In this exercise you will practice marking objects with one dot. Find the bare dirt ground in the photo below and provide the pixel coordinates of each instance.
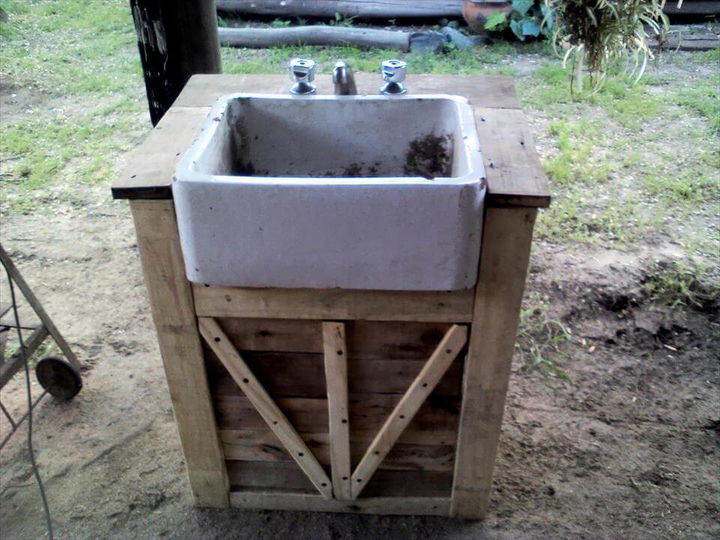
(630, 448)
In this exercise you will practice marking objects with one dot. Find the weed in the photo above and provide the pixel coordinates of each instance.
(539, 341)
(678, 283)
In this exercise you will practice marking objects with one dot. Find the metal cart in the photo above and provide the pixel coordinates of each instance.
(58, 376)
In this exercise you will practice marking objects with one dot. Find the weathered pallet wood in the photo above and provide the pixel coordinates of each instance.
(263, 445)
(265, 405)
(302, 375)
(334, 304)
(368, 412)
(365, 339)
(386, 483)
(336, 377)
(259, 500)
(403, 413)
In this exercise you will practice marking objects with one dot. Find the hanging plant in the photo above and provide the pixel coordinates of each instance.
(527, 19)
(597, 33)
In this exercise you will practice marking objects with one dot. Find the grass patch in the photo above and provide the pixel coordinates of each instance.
(540, 339)
(678, 283)
(453, 61)
(704, 99)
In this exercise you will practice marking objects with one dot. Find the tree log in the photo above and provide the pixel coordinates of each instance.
(367, 9)
(314, 35)
(176, 39)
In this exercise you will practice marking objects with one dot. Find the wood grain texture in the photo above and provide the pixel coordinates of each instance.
(513, 174)
(303, 375)
(368, 9)
(286, 477)
(408, 406)
(505, 254)
(365, 339)
(512, 166)
(368, 412)
(149, 169)
(265, 405)
(334, 304)
(263, 445)
(336, 375)
(174, 316)
(259, 500)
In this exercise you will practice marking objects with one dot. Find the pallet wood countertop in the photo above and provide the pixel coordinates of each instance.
(359, 401)
(513, 171)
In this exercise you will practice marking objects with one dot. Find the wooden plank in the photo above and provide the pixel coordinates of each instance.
(263, 445)
(359, 439)
(336, 375)
(303, 375)
(174, 316)
(334, 304)
(513, 171)
(286, 477)
(365, 339)
(489, 91)
(259, 500)
(264, 404)
(514, 174)
(400, 418)
(149, 169)
(367, 9)
(505, 254)
(367, 413)
(37, 307)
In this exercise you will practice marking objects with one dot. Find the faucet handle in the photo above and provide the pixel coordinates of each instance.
(393, 73)
(302, 73)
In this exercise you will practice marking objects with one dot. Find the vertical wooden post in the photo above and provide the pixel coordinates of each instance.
(503, 267)
(173, 312)
(176, 39)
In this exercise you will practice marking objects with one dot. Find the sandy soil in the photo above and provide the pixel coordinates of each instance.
(629, 449)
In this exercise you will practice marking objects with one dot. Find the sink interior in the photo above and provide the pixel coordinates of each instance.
(328, 136)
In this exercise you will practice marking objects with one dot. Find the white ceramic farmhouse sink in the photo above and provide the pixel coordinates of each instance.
(357, 192)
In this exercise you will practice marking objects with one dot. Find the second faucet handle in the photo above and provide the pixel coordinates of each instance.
(393, 73)
(302, 72)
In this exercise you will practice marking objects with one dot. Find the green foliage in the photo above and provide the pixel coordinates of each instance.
(280, 23)
(679, 283)
(341, 20)
(600, 32)
(540, 340)
(528, 19)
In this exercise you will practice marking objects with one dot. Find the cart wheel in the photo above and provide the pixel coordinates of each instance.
(59, 377)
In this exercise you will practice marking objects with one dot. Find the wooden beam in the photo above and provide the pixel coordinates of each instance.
(336, 376)
(419, 390)
(389, 506)
(328, 36)
(368, 9)
(264, 404)
(334, 304)
(503, 267)
(176, 39)
(173, 312)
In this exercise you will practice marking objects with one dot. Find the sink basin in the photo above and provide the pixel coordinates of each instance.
(357, 192)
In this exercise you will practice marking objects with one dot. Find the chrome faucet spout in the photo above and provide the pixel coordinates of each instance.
(344, 79)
